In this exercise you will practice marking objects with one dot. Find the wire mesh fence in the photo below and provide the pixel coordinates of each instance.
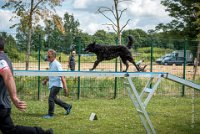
(175, 57)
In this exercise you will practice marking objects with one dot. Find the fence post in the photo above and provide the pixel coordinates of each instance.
(39, 48)
(79, 64)
(184, 66)
(115, 90)
(151, 66)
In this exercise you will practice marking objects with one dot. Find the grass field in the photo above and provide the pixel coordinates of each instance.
(115, 116)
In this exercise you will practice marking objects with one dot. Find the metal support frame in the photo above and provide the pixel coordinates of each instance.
(141, 100)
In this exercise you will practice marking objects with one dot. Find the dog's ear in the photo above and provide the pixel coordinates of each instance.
(94, 43)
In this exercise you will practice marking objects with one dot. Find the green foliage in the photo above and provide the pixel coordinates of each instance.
(157, 52)
(86, 39)
(184, 16)
(31, 12)
(103, 37)
(197, 22)
(10, 46)
(37, 34)
(140, 37)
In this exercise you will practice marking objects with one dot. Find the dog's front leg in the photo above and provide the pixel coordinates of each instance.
(95, 64)
(127, 66)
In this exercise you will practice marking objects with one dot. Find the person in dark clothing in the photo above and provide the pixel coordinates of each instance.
(8, 88)
(72, 61)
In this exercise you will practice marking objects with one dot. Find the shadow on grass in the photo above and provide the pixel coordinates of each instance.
(33, 114)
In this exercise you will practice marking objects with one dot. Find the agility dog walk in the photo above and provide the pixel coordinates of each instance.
(109, 52)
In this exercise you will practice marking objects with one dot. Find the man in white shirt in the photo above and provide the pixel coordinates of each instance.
(56, 83)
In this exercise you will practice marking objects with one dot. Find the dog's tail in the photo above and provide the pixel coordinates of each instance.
(130, 41)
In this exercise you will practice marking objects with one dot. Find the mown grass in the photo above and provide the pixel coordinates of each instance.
(115, 116)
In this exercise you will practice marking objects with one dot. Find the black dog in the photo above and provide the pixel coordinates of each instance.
(105, 52)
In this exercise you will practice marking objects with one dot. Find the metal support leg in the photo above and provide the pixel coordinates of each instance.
(152, 90)
(146, 87)
(141, 106)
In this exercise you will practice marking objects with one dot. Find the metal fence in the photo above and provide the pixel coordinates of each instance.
(112, 88)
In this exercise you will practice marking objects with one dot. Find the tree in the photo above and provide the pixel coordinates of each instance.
(61, 32)
(197, 22)
(184, 13)
(140, 37)
(54, 32)
(103, 37)
(10, 47)
(38, 30)
(22, 39)
(197, 5)
(185, 23)
(117, 14)
(86, 39)
(71, 29)
(30, 13)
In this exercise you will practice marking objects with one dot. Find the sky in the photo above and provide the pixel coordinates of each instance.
(144, 14)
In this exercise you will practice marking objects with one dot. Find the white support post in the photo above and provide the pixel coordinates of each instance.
(146, 87)
(137, 108)
(152, 91)
(140, 107)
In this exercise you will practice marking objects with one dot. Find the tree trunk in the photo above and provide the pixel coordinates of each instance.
(198, 59)
(28, 51)
(118, 28)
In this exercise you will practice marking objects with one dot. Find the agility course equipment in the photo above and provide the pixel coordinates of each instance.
(140, 101)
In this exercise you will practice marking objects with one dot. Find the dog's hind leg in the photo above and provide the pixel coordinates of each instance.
(130, 59)
(143, 69)
(126, 63)
(95, 64)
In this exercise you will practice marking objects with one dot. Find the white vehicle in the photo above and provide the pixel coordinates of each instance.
(177, 58)
(180, 53)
